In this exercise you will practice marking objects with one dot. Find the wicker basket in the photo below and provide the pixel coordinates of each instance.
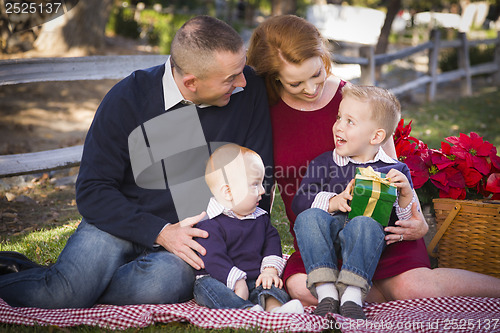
(468, 235)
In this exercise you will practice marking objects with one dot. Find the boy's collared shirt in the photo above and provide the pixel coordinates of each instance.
(380, 156)
(322, 199)
(215, 209)
(171, 93)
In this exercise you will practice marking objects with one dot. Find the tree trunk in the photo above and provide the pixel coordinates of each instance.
(282, 7)
(393, 8)
(78, 32)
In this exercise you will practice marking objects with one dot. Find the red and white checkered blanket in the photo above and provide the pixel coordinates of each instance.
(445, 314)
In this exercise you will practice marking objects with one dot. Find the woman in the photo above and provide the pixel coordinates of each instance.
(292, 57)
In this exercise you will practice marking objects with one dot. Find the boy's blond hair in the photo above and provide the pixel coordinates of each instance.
(385, 107)
(220, 158)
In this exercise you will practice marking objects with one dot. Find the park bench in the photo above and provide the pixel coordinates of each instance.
(18, 71)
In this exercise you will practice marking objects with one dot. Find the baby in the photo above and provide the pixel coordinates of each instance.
(243, 262)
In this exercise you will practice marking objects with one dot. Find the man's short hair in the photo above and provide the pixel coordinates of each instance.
(385, 107)
(196, 42)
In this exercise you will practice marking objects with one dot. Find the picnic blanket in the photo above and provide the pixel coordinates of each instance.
(444, 314)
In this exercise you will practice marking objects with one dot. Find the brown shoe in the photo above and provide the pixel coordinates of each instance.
(352, 310)
(327, 305)
(13, 262)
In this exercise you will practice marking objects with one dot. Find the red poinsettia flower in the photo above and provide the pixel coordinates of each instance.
(402, 132)
(462, 163)
(493, 185)
(447, 178)
(473, 149)
(454, 193)
(472, 177)
(419, 170)
(471, 143)
(405, 148)
(405, 144)
(495, 161)
(443, 159)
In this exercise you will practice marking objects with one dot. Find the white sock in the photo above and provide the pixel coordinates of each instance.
(353, 294)
(327, 290)
(293, 306)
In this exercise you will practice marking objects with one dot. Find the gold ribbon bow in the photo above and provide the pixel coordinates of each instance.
(369, 174)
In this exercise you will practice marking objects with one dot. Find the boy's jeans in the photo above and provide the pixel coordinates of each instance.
(214, 294)
(96, 267)
(323, 239)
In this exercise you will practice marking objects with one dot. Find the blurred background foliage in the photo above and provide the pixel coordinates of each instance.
(156, 27)
(155, 21)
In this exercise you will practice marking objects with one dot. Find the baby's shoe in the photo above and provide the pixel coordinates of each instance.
(293, 306)
(256, 307)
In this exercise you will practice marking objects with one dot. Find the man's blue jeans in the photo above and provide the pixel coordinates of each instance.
(96, 267)
(214, 294)
(323, 239)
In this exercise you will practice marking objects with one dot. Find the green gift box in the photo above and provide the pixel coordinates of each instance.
(372, 195)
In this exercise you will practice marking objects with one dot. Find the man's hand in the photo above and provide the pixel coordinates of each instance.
(414, 228)
(269, 276)
(241, 288)
(178, 239)
(340, 202)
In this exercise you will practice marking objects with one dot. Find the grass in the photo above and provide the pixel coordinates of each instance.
(280, 222)
(432, 123)
(42, 246)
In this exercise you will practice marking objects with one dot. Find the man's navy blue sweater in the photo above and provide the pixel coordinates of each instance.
(106, 192)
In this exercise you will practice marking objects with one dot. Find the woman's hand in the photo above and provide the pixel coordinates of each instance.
(412, 229)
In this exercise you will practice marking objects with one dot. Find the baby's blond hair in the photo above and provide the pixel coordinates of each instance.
(220, 158)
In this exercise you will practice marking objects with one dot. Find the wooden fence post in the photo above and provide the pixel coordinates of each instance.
(464, 63)
(496, 59)
(435, 37)
(367, 71)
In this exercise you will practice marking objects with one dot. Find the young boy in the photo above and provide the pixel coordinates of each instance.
(367, 118)
(243, 262)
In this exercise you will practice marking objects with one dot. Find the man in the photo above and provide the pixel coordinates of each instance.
(141, 157)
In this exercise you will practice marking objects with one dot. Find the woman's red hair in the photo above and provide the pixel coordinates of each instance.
(284, 38)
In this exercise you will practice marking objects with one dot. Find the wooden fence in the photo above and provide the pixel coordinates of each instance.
(62, 69)
(116, 67)
(368, 62)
